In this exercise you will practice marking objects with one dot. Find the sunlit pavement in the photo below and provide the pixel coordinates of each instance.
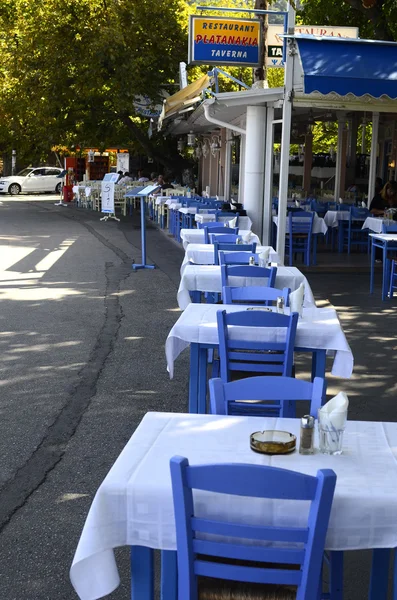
(82, 360)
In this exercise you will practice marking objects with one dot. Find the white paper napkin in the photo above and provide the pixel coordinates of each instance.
(340, 201)
(264, 257)
(296, 299)
(363, 204)
(297, 203)
(232, 223)
(333, 413)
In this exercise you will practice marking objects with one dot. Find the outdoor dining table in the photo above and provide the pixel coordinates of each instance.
(319, 225)
(203, 217)
(196, 279)
(196, 236)
(387, 242)
(203, 254)
(319, 332)
(375, 224)
(339, 219)
(134, 507)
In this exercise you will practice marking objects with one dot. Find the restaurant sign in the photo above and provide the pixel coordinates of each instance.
(274, 43)
(219, 41)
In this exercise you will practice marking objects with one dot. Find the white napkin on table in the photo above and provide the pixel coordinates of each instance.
(297, 203)
(363, 204)
(232, 223)
(333, 413)
(340, 201)
(264, 257)
(296, 299)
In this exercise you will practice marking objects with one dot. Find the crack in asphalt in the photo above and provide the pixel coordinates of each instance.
(29, 477)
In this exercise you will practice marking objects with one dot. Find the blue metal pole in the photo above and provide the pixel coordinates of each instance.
(143, 265)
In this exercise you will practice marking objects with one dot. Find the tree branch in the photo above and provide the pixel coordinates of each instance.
(378, 19)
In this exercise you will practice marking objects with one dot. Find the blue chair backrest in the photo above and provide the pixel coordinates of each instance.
(319, 207)
(343, 206)
(211, 225)
(248, 271)
(302, 223)
(224, 238)
(359, 213)
(222, 247)
(220, 229)
(254, 294)
(254, 356)
(230, 398)
(237, 258)
(194, 554)
(389, 228)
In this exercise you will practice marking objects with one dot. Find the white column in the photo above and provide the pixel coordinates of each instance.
(254, 165)
(339, 153)
(241, 176)
(228, 165)
(268, 192)
(372, 164)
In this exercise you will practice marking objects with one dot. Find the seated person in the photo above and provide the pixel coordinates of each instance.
(142, 177)
(387, 198)
(163, 183)
(125, 180)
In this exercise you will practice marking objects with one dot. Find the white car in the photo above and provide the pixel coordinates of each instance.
(31, 181)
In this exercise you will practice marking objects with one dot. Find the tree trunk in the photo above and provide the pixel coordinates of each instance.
(260, 73)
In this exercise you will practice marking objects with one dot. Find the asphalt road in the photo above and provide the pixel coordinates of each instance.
(82, 360)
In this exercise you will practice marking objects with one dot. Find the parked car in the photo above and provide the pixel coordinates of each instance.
(31, 181)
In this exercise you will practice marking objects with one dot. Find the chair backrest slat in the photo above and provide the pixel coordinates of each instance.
(228, 398)
(249, 480)
(251, 271)
(218, 246)
(224, 238)
(389, 228)
(237, 258)
(252, 294)
(220, 229)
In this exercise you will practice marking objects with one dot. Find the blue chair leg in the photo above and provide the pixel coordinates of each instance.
(142, 580)
(392, 276)
(379, 583)
(315, 249)
(169, 575)
(336, 575)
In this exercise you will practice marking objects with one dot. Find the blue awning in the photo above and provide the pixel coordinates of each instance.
(348, 66)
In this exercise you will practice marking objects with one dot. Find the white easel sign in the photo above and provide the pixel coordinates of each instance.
(107, 189)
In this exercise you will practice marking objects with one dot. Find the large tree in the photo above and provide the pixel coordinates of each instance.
(69, 71)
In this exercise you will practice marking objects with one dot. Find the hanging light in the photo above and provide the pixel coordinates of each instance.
(215, 145)
(205, 148)
(191, 139)
(180, 145)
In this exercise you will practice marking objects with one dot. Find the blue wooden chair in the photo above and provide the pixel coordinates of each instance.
(264, 396)
(219, 230)
(252, 294)
(355, 235)
(319, 207)
(237, 258)
(343, 206)
(248, 271)
(224, 238)
(299, 237)
(393, 278)
(222, 247)
(389, 228)
(292, 556)
(211, 225)
(238, 354)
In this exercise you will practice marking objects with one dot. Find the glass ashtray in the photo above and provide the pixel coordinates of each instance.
(273, 442)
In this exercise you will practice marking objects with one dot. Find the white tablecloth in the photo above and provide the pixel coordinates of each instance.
(319, 329)
(133, 505)
(196, 236)
(375, 223)
(332, 217)
(244, 222)
(319, 225)
(203, 254)
(207, 278)
(161, 200)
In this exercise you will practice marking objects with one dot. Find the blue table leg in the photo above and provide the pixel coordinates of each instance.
(169, 575)
(202, 383)
(341, 233)
(385, 278)
(336, 575)
(371, 279)
(193, 382)
(379, 574)
(142, 580)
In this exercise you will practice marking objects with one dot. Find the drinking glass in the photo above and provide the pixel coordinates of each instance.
(330, 431)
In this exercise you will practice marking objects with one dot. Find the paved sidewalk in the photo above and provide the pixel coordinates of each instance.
(82, 339)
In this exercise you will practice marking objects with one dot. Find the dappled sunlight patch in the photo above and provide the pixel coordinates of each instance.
(173, 310)
(68, 497)
(38, 293)
(133, 338)
(42, 347)
(123, 293)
